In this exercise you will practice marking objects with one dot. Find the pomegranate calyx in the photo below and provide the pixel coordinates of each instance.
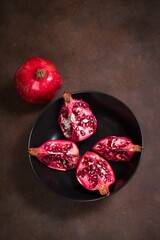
(40, 73)
(67, 97)
(33, 151)
(136, 148)
(103, 190)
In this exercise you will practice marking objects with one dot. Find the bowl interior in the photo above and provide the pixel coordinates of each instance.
(114, 118)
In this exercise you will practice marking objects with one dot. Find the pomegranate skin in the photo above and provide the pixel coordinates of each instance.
(37, 80)
(116, 148)
(76, 119)
(95, 173)
(61, 155)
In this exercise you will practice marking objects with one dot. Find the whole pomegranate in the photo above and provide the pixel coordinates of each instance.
(95, 173)
(57, 154)
(116, 148)
(76, 120)
(37, 80)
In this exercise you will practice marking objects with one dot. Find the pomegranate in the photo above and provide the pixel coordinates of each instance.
(76, 120)
(116, 148)
(95, 173)
(57, 154)
(37, 80)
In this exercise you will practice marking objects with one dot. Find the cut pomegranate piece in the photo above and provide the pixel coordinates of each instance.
(57, 154)
(95, 173)
(116, 148)
(76, 120)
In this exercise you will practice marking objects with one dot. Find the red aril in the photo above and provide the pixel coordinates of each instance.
(37, 80)
(57, 154)
(116, 148)
(76, 120)
(95, 173)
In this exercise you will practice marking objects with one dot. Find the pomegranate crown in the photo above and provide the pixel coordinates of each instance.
(67, 96)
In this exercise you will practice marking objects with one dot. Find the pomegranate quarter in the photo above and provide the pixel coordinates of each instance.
(95, 173)
(116, 148)
(76, 120)
(57, 154)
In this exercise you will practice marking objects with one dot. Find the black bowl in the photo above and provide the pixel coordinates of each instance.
(114, 118)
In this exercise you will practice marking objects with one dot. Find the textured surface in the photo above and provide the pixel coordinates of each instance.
(108, 46)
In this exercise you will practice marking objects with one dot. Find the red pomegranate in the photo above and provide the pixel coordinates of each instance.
(76, 120)
(37, 80)
(95, 173)
(57, 154)
(116, 148)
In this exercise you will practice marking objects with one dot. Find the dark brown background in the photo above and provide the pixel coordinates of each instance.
(108, 46)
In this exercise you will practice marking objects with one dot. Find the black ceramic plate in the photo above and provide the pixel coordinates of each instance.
(114, 118)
